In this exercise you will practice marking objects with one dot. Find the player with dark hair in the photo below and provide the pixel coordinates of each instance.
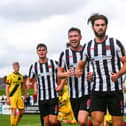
(106, 55)
(79, 88)
(45, 72)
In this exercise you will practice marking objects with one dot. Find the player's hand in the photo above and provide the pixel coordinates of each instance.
(114, 77)
(90, 76)
(8, 101)
(59, 88)
(70, 72)
(78, 72)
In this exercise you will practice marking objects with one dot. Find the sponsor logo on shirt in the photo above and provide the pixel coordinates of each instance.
(45, 74)
(101, 57)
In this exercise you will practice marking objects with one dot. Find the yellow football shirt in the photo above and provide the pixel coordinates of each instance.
(65, 110)
(15, 81)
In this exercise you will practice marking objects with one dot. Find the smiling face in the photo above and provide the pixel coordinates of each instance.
(42, 52)
(74, 39)
(99, 28)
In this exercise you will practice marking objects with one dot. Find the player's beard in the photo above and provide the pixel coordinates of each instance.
(42, 58)
(100, 35)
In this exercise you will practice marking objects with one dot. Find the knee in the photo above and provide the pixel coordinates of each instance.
(53, 121)
(13, 112)
(22, 113)
(82, 122)
(46, 122)
(98, 122)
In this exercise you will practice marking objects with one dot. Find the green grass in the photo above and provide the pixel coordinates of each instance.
(30, 91)
(2, 91)
(27, 120)
(124, 118)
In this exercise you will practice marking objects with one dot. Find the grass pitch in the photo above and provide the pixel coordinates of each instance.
(27, 120)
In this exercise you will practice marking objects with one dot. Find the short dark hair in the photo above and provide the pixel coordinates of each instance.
(41, 45)
(74, 29)
(97, 16)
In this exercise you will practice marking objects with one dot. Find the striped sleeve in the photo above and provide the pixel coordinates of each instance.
(84, 56)
(120, 49)
(82, 51)
(31, 72)
(56, 64)
(62, 60)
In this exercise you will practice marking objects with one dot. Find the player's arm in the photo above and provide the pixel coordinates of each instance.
(29, 82)
(90, 76)
(23, 90)
(61, 83)
(7, 93)
(90, 72)
(122, 54)
(61, 69)
(81, 64)
(115, 76)
(79, 68)
(31, 75)
(123, 69)
(35, 86)
(8, 83)
(64, 74)
(60, 80)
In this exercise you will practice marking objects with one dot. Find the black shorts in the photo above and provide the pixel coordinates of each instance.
(78, 104)
(113, 101)
(48, 107)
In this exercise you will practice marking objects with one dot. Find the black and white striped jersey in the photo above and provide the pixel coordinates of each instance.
(46, 76)
(78, 87)
(105, 58)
